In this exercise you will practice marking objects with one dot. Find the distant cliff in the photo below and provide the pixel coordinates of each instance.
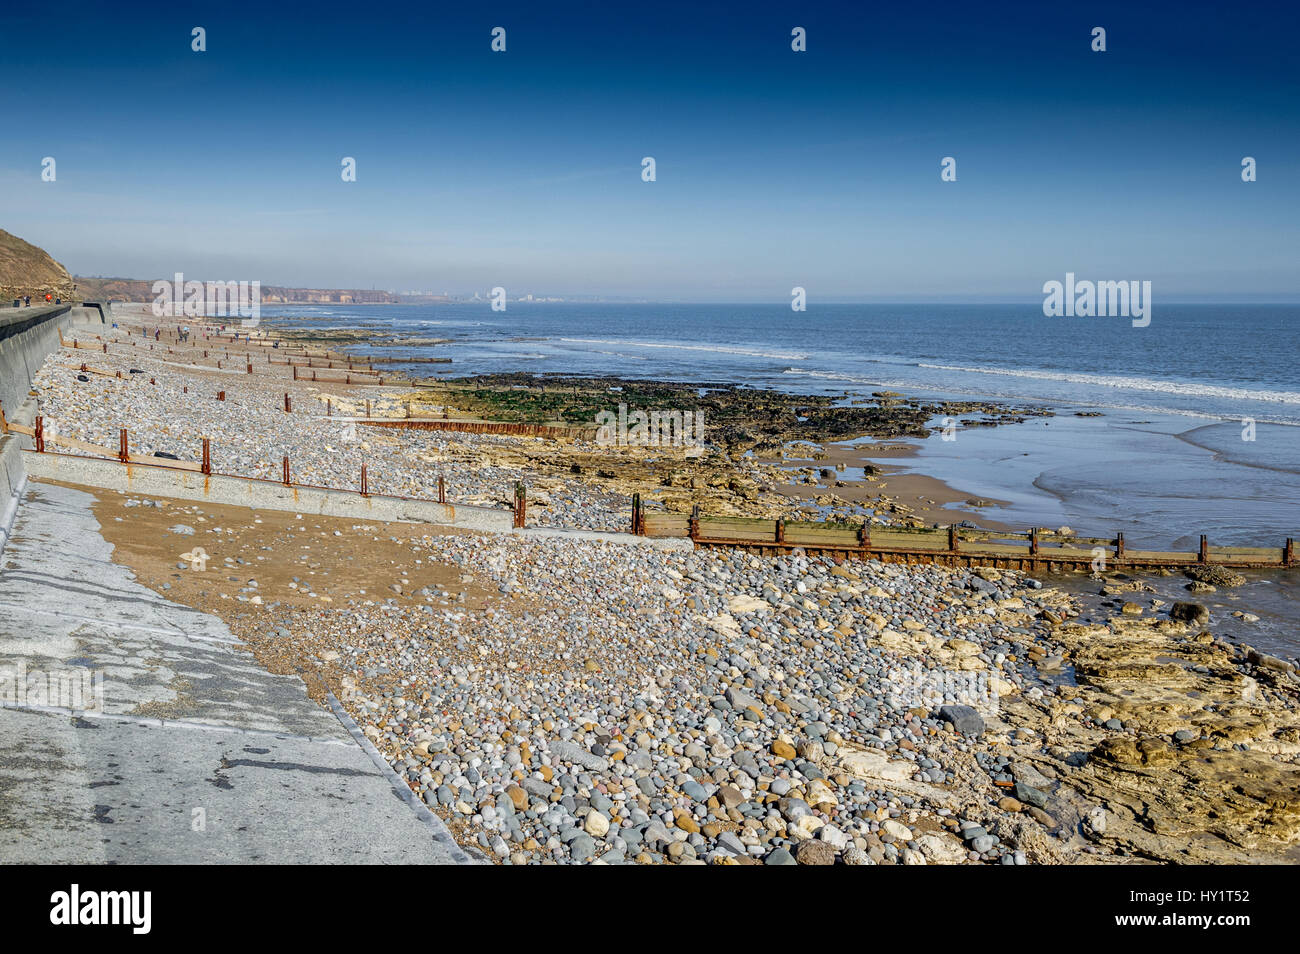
(28, 270)
(134, 289)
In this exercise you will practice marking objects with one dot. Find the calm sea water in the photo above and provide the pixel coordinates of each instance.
(1225, 361)
(1165, 461)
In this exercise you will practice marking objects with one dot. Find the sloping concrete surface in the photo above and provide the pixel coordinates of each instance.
(198, 755)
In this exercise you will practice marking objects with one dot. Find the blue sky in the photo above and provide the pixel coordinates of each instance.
(775, 168)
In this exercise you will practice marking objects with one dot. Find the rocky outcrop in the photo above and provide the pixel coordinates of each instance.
(1188, 747)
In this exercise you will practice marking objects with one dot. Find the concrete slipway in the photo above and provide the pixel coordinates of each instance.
(199, 755)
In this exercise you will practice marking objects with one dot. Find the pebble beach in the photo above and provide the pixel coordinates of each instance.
(562, 699)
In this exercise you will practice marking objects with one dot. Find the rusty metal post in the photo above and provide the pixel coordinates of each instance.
(288, 406)
(1288, 552)
(286, 470)
(694, 531)
(206, 467)
(521, 504)
(780, 530)
(367, 407)
(250, 367)
(313, 375)
(1119, 546)
(105, 347)
(1033, 541)
(221, 395)
(365, 486)
(4, 424)
(123, 451)
(442, 490)
(40, 434)
(347, 379)
(864, 538)
(636, 506)
(295, 371)
(952, 539)
(329, 408)
(1204, 555)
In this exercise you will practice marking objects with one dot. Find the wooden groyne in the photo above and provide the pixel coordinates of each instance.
(43, 444)
(365, 373)
(1033, 550)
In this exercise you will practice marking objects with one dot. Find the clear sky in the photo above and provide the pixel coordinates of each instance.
(774, 168)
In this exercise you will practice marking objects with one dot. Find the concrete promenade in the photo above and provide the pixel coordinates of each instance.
(198, 755)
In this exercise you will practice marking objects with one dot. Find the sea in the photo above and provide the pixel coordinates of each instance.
(1189, 425)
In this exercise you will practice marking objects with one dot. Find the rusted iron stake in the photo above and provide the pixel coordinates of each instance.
(952, 539)
(1204, 555)
(1288, 553)
(288, 406)
(40, 434)
(780, 530)
(365, 487)
(521, 504)
(1033, 541)
(1119, 546)
(206, 468)
(442, 490)
(286, 470)
(695, 521)
(123, 451)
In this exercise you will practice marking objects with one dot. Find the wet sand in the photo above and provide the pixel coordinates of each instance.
(860, 477)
